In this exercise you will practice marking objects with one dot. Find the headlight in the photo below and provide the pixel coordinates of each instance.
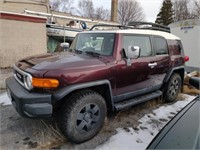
(28, 82)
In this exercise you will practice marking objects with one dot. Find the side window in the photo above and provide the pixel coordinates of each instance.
(161, 46)
(142, 41)
(175, 47)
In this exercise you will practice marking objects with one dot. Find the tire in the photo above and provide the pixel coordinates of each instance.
(83, 116)
(173, 88)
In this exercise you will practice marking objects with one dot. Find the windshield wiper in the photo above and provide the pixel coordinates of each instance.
(76, 51)
(92, 53)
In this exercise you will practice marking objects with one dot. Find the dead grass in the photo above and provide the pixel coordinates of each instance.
(187, 89)
(55, 138)
(190, 90)
(181, 97)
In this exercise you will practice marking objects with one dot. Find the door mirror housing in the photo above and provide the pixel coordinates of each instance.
(133, 52)
(65, 46)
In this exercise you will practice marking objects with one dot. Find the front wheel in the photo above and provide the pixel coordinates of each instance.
(83, 116)
(172, 88)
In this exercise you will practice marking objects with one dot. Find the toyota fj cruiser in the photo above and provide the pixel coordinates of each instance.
(103, 70)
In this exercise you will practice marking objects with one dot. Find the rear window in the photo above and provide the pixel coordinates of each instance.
(175, 47)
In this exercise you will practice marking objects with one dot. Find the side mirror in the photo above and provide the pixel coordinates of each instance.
(133, 52)
(65, 46)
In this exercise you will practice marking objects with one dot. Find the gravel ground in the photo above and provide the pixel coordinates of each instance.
(22, 133)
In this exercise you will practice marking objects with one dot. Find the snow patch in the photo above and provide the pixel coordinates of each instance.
(4, 100)
(151, 124)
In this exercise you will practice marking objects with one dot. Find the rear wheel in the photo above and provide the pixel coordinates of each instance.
(172, 88)
(83, 116)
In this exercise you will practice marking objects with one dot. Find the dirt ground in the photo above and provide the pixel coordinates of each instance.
(21, 133)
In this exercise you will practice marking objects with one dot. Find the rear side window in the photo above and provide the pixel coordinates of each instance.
(142, 41)
(161, 46)
(175, 47)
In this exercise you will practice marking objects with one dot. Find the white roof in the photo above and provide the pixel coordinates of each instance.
(138, 31)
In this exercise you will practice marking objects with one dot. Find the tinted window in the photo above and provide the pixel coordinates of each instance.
(142, 41)
(161, 46)
(175, 47)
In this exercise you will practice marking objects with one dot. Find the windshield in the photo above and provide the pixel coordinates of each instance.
(100, 43)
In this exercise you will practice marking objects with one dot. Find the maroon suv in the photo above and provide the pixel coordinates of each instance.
(102, 71)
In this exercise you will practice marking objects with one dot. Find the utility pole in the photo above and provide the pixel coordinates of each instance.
(114, 8)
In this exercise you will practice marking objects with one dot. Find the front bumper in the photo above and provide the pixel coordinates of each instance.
(29, 104)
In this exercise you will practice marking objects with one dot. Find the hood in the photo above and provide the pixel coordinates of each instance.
(61, 61)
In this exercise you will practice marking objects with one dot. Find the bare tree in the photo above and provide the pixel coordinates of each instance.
(197, 8)
(86, 8)
(186, 9)
(129, 10)
(181, 11)
(101, 13)
(62, 5)
(54, 4)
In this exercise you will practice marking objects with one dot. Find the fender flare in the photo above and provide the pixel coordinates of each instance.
(168, 75)
(60, 94)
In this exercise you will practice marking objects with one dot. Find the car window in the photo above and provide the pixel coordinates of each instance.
(161, 46)
(101, 43)
(175, 47)
(142, 41)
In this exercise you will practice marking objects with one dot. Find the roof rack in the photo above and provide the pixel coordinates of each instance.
(153, 26)
(109, 25)
(136, 25)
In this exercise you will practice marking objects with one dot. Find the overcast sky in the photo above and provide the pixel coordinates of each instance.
(150, 7)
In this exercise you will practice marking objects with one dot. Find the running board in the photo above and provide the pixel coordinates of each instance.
(137, 100)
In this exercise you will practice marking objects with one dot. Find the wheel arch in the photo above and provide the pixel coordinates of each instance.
(102, 87)
(179, 70)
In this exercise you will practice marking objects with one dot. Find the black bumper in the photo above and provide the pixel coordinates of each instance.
(29, 104)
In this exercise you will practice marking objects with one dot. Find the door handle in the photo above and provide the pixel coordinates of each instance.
(152, 65)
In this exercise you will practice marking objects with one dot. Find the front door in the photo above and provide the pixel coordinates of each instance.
(139, 77)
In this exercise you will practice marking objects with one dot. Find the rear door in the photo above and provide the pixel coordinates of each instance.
(162, 59)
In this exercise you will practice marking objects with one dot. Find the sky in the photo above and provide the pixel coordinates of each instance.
(151, 7)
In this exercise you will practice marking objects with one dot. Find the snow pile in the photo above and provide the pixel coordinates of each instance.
(4, 100)
(149, 125)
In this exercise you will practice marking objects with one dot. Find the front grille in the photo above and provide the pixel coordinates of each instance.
(20, 76)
